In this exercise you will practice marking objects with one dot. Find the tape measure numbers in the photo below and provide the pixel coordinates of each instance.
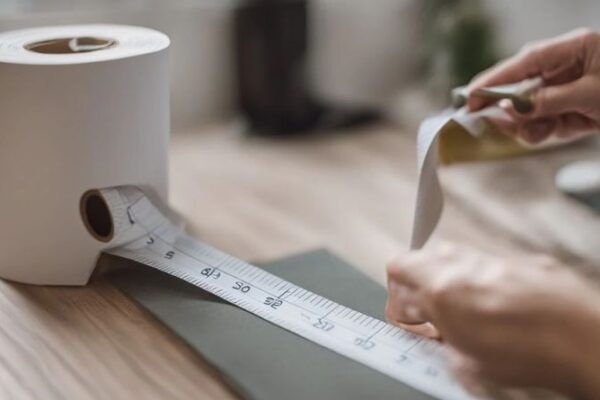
(135, 229)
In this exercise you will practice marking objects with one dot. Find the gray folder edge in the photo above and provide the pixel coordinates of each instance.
(257, 359)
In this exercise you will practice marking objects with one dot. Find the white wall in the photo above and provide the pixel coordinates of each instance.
(362, 51)
(520, 21)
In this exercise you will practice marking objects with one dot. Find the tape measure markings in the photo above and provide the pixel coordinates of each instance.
(151, 239)
(353, 316)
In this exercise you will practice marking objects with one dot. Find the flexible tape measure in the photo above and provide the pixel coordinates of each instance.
(134, 228)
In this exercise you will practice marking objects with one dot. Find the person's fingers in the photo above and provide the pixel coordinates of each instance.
(569, 125)
(405, 271)
(511, 70)
(486, 377)
(427, 329)
(550, 59)
(408, 277)
(537, 130)
(504, 125)
(554, 113)
(573, 125)
(467, 371)
(417, 269)
(403, 305)
(577, 96)
(403, 310)
(546, 58)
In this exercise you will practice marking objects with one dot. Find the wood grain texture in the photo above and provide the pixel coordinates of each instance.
(260, 199)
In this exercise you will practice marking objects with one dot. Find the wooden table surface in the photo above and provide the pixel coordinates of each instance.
(259, 199)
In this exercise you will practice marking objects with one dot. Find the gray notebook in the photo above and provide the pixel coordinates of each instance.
(260, 360)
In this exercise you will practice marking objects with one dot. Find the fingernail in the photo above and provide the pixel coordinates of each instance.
(430, 331)
(505, 104)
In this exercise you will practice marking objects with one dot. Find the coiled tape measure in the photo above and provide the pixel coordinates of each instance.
(135, 229)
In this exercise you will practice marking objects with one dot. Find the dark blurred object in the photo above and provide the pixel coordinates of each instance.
(271, 54)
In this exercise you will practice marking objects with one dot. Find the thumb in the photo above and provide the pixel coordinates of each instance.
(581, 95)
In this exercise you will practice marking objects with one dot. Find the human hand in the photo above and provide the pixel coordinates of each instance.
(568, 105)
(516, 322)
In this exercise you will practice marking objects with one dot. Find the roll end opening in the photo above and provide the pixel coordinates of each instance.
(70, 45)
(96, 216)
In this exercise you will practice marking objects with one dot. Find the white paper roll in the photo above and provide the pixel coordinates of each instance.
(80, 107)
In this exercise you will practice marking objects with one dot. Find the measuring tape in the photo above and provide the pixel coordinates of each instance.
(135, 229)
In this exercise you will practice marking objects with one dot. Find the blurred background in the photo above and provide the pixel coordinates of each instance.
(295, 66)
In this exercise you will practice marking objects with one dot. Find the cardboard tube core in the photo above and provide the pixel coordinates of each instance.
(70, 45)
(96, 216)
